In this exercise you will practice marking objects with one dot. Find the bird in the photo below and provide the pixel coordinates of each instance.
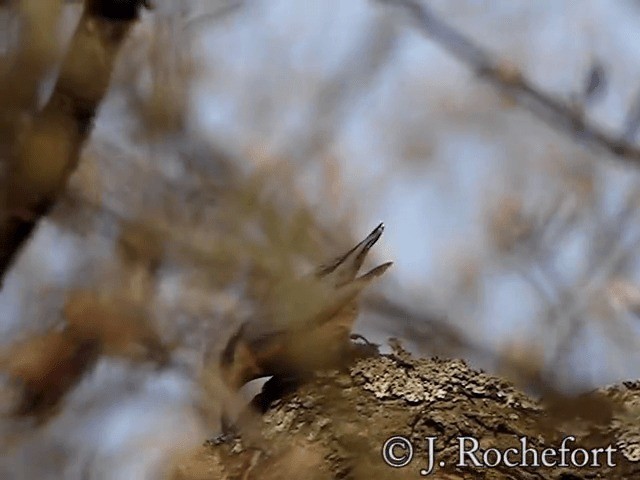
(306, 325)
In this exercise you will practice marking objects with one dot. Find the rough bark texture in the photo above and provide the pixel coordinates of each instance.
(335, 425)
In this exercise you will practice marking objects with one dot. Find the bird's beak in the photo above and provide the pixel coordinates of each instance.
(345, 268)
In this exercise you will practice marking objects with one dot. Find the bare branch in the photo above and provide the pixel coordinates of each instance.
(443, 338)
(549, 108)
(632, 123)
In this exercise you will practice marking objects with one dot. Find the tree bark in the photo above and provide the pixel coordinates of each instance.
(335, 426)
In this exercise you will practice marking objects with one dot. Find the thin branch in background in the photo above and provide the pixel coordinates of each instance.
(572, 316)
(49, 150)
(632, 122)
(549, 108)
(558, 113)
(222, 12)
(443, 336)
(361, 69)
(595, 82)
(440, 336)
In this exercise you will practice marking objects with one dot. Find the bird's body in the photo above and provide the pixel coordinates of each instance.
(304, 328)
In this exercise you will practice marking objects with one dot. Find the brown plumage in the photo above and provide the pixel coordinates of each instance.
(306, 324)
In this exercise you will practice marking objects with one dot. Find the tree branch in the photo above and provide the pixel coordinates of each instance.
(45, 155)
(336, 425)
(555, 111)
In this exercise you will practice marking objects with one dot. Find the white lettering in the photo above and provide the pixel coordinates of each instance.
(462, 452)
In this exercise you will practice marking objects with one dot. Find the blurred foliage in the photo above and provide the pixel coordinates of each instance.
(176, 231)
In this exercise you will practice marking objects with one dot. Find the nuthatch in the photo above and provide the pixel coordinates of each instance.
(306, 324)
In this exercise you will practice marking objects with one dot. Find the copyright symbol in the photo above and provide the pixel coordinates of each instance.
(397, 452)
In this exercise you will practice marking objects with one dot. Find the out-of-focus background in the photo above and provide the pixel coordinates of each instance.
(242, 141)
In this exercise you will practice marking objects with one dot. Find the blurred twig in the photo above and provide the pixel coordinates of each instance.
(338, 93)
(632, 123)
(442, 336)
(435, 332)
(47, 153)
(509, 79)
(217, 14)
(572, 317)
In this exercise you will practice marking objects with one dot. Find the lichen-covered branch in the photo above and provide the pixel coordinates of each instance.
(336, 425)
(46, 151)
